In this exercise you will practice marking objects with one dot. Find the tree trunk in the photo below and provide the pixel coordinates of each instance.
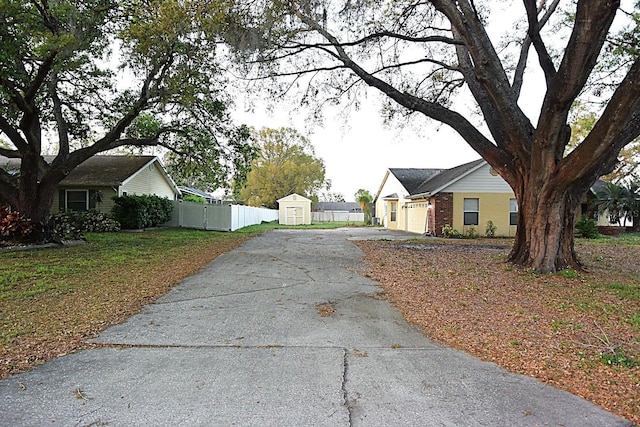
(35, 197)
(545, 235)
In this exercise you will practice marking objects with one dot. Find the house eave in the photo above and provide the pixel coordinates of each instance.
(419, 196)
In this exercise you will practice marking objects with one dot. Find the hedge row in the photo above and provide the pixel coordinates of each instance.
(136, 212)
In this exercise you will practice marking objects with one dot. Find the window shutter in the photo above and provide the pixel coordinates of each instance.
(92, 199)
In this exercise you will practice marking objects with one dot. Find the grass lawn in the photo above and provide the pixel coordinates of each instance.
(52, 300)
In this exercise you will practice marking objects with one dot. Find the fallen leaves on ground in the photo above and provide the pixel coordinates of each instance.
(60, 320)
(559, 328)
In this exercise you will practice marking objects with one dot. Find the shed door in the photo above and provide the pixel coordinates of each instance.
(293, 215)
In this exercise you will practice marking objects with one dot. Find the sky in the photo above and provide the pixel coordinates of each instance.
(356, 156)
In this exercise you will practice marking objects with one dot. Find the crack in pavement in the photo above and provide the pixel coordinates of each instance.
(264, 346)
(348, 403)
(252, 291)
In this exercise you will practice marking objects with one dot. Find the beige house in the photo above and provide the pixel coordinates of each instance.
(466, 198)
(94, 183)
(294, 209)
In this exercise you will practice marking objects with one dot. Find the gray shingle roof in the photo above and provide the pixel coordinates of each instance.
(338, 206)
(412, 178)
(96, 171)
(106, 170)
(434, 182)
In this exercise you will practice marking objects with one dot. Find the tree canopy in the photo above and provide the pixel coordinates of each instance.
(286, 164)
(446, 60)
(78, 78)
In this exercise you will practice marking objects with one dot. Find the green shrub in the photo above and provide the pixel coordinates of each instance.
(450, 233)
(14, 226)
(72, 224)
(490, 230)
(587, 228)
(136, 212)
(472, 233)
(160, 210)
(193, 198)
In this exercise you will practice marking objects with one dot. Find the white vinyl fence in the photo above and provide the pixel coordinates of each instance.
(337, 216)
(224, 217)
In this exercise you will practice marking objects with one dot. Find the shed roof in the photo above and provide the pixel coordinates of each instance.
(295, 197)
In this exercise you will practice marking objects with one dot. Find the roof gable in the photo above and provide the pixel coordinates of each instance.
(446, 177)
(106, 170)
(412, 178)
(101, 170)
(295, 197)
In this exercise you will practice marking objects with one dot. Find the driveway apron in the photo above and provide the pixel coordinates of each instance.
(282, 331)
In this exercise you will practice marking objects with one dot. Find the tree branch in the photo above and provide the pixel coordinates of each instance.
(518, 76)
(63, 127)
(593, 20)
(459, 123)
(592, 23)
(12, 154)
(13, 134)
(546, 62)
(619, 124)
(390, 34)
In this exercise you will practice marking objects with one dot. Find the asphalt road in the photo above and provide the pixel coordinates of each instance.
(282, 332)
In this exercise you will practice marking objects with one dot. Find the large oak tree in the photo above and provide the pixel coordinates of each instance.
(438, 58)
(78, 78)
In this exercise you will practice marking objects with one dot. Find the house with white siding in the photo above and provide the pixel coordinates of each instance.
(94, 183)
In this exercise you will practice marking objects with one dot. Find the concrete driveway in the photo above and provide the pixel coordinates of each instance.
(252, 340)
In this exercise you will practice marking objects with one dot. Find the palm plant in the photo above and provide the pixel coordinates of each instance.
(621, 202)
(363, 197)
(611, 199)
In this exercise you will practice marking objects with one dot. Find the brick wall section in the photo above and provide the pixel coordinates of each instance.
(443, 209)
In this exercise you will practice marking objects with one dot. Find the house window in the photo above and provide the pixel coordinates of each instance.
(471, 209)
(77, 200)
(394, 211)
(513, 212)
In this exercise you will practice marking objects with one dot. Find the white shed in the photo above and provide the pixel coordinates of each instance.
(294, 210)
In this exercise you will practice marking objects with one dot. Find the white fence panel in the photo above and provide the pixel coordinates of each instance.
(243, 216)
(206, 216)
(337, 217)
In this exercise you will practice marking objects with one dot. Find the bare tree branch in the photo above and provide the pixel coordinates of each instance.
(546, 62)
(526, 44)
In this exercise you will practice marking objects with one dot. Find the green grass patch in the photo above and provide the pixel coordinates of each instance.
(52, 295)
(631, 239)
(619, 358)
(627, 291)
